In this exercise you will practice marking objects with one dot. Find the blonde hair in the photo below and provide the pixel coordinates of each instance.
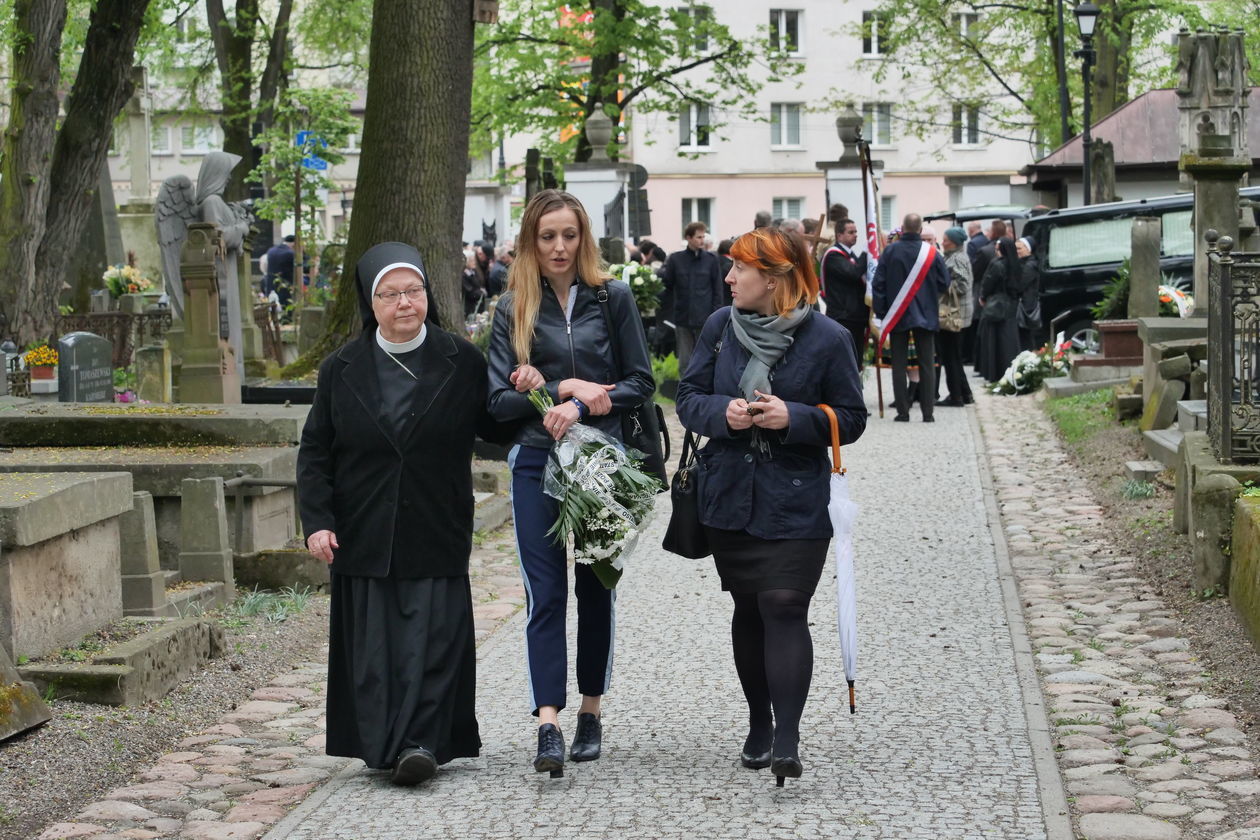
(785, 257)
(524, 274)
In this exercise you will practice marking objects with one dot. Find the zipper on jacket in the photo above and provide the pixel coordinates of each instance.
(568, 327)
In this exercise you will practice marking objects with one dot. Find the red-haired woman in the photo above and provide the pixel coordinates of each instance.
(550, 329)
(752, 388)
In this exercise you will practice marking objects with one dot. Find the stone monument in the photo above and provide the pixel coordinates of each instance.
(844, 176)
(1144, 273)
(85, 368)
(1212, 90)
(208, 373)
(1102, 168)
(598, 182)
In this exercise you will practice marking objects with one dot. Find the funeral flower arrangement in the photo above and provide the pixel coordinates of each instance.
(1029, 369)
(39, 356)
(605, 496)
(1175, 303)
(643, 281)
(125, 280)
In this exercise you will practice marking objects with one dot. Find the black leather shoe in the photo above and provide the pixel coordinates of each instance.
(969, 400)
(950, 403)
(929, 419)
(586, 740)
(756, 752)
(550, 757)
(786, 767)
(902, 418)
(414, 765)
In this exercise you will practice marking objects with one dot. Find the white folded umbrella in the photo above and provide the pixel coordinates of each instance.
(843, 511)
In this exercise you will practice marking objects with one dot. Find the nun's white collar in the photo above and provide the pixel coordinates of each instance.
(403, 347)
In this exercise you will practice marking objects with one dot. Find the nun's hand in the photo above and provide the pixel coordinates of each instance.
(526, 378)
(559, 418)
(321, 545)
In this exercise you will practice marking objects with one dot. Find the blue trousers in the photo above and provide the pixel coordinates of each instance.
(544, 568)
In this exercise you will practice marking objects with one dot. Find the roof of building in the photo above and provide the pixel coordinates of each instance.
(1143, 132)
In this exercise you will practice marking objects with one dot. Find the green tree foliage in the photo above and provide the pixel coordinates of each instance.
(548, 64)
(1001, 58)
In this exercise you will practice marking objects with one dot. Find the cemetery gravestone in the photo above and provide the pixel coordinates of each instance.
(85, 368)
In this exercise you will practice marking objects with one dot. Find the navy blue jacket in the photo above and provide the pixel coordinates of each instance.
(893, 270)
(693, 280)
(781, 492)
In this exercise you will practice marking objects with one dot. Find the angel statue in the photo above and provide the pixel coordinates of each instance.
(179, 205)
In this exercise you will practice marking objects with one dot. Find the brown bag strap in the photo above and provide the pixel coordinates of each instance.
(835, 438)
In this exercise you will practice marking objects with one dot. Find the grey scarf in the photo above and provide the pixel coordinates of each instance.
(766, 338)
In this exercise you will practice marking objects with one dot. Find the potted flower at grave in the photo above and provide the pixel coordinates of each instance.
(41, 360)
(125, 280)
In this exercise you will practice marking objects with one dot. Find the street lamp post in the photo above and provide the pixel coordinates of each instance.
(1086, 18)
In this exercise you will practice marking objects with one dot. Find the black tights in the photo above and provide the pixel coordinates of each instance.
(774, 656)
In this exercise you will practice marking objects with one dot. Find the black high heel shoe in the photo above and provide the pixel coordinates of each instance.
(586, 741)
(550, 757)
(786, 767)
(756, 752)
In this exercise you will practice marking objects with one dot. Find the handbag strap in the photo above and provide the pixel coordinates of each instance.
(601, 294)
(835, 438)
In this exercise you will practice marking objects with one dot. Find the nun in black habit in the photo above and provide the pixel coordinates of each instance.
(997, 337)
(385, 483)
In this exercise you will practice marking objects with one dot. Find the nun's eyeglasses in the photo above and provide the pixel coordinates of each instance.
(390, 298)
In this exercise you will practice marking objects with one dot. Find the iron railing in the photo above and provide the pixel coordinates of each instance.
(1233, 351)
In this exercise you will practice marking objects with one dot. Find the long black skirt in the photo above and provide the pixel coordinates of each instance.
(748, 564)
(997, 343)
(402, 669)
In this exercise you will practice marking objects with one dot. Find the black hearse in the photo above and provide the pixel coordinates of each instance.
(1079, 249)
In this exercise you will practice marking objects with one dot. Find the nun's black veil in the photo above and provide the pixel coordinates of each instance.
(371, 263)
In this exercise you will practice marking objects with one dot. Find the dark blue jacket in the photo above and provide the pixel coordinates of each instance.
(893, 270)
(781, 492)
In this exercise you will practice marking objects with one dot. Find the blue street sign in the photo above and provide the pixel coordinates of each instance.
(307, 139)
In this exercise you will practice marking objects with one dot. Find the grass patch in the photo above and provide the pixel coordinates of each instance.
(1134, 489)
(1081, 416)
(272, 606)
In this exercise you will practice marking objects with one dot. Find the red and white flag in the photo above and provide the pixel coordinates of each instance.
(872, 240)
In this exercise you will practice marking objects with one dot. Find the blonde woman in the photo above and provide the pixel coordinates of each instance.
(550, 330)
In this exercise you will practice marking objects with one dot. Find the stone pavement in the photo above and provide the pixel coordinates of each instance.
(941, 746)
(1146, 751)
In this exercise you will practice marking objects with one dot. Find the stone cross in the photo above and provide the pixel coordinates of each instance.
(139, 131)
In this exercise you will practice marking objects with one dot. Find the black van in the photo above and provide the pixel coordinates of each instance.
(1079, 250)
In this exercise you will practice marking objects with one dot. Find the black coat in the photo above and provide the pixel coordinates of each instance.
(694, 281)
(406, 500)
(844, 285)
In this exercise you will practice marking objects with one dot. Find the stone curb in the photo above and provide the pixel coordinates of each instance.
(1145, 754)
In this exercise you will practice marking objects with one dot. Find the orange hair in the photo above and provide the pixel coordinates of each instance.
(784, 257)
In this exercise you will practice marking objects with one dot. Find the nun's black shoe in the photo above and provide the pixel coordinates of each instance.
(550, 758)
(969, 400)
(414, 765)
(902, 418)
(786, 767)
(586, 740)
(755, 761)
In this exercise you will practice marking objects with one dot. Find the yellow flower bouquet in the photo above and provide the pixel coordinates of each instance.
(40, 356)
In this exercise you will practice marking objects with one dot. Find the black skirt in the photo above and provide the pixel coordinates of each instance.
(997, 343)
(748, 564)
(402, 669)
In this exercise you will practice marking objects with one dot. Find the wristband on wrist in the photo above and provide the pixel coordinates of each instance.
(583, 411)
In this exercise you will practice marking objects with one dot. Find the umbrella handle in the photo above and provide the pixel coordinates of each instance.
(835, 438)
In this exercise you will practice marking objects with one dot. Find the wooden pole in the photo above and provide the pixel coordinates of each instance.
(296, 297)
(868, 203)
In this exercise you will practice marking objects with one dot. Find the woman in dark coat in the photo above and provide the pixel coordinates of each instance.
(997, 338)
(386, 495)
(752, 388)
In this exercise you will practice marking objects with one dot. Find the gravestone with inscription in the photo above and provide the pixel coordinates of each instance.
(85, 368)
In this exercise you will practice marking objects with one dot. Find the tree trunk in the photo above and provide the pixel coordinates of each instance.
(233, 49)
(101, 89)
(28, 143)
(1114, 40)
(415, 153)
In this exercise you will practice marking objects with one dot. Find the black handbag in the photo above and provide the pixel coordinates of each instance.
(685, 535)
(642, 427)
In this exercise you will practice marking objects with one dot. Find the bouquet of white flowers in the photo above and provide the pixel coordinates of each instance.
(643, 281)
(1029, 369)
(605, 496)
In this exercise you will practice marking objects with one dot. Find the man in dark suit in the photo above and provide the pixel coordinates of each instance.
(844, 285)
(693, 282)
(919, 312)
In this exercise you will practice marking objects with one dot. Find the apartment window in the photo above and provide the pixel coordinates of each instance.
(874, 32)
(785, 124)
(352, 143)
(965, 23)
(197, 139)
(160, 139)
(693, 126)
(698, 210)
(887, 212)
(785, 30)
(788, 208)
(966, 125)
(877, 123)
(701, 16)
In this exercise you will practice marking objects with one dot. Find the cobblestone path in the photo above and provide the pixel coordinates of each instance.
(944, 744)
